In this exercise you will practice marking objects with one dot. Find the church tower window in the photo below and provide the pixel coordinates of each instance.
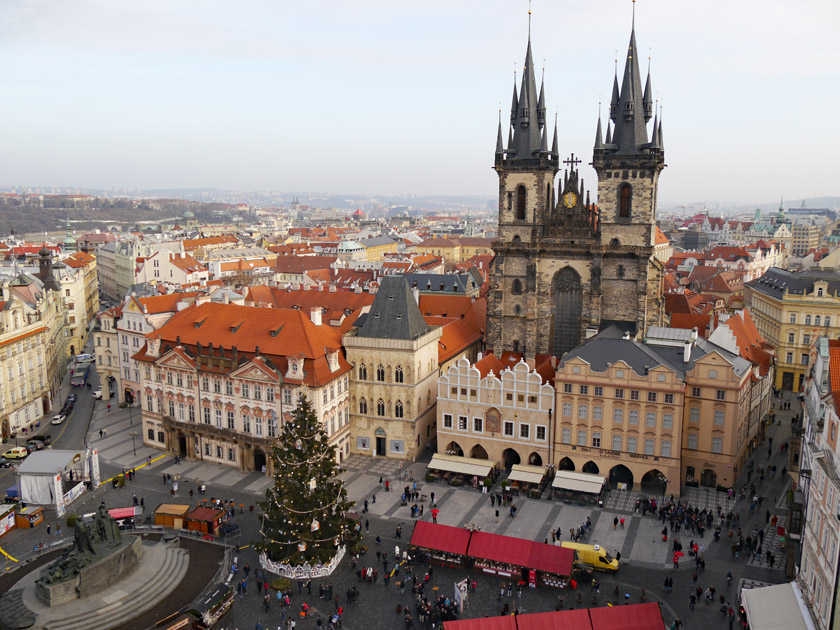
(517, 286)
(624, 195)
(521, 198)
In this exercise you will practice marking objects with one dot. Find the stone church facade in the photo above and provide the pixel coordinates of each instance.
(567, 268)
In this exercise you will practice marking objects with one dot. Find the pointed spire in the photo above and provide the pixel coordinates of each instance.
(554, 145)
(615, 96)
(541, 102)
(510, 142)
(499, 147)
(598, 143)
(647, 99)
(514, 106)
(526, 127)
(608, 139)
(654, 138)
(544, 141)
(630, 135)
(659, 138)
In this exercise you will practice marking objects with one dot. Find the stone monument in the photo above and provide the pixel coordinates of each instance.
(99, 556)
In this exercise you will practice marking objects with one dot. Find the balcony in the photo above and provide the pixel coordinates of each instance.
(213, 430)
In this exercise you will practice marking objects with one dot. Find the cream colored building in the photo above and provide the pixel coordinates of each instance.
(790, 310)
(394, 355)
(497, 409)
(106, 348)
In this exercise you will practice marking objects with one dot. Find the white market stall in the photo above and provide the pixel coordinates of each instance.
(57, 477)
(778, 607)
(577, 486)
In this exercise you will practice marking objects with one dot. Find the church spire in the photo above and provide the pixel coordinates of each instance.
(598, 143)
(499, 146)
(554, 152)
(526, 127)
(647, 99)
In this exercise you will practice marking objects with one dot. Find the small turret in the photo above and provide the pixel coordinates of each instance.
(554, 153)
(647, 99)
(598, 143)
(541, 104)
(500, 150)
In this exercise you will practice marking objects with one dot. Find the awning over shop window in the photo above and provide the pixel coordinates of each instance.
(776, 607)
(440, 538)
(578, 482)
(461, 465)
(528, 474)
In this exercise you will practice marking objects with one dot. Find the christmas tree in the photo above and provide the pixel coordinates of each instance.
(304, 518)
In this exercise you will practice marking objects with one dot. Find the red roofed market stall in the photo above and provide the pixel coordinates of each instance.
(443, 544)
(631, 617)
(521, 559)
(568, 620)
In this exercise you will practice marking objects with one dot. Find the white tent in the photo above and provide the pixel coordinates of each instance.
(778, 607)
(55, 477)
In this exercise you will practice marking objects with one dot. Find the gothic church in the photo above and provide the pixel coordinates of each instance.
(566, 268)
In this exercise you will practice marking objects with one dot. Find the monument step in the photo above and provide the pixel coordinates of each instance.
(144, 593)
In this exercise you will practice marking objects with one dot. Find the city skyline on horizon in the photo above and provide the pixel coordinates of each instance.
(183, 97)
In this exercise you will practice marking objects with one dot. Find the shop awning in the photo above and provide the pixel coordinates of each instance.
(440, 538)
(632, 617)
(561, 620)
(522, 553)
(507, 622)
(578, 482)
(776, 608)
(461, 465)
(528, 474)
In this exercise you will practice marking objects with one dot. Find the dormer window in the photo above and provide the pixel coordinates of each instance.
(294, 367)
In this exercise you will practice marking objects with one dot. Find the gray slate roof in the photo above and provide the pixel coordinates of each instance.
(776, 281)
(47, 462)
(441, 283)
(394, 313)
(376, 241)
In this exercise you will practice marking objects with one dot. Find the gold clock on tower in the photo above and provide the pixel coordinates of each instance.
(569, 199)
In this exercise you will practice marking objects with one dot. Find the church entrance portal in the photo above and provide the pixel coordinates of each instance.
(566, 299)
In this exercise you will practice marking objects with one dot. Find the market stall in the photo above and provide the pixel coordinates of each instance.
(205, 520)
(636, 616)
(57, 477)
(531, 562)
(577, 487)
(172, 515)
(527, 479)
(577, 619)
(127, 516)
(29, 516)
(777, 606)
(508, 622)
(7, 518)
(459, 471)
(441, 544)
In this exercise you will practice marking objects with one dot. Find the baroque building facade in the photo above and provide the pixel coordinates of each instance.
(565, 267)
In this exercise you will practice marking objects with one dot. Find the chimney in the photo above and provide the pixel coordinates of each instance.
(315, 315)
(687, 350)
(694, 334)
(416, 292)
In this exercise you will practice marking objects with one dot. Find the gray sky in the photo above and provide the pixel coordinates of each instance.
(392, 97)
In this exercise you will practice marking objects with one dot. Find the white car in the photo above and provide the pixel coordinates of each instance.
(97, 394)
(59, 419)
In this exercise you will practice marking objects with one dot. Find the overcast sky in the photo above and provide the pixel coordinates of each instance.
(392, 97)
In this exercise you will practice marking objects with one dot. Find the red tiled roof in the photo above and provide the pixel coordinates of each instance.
(300, 264)
(456, 337)
(688, 321)
(660, 238)
(163, 303)
(196, 243)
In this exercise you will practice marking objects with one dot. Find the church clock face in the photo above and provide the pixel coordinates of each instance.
(569, 199)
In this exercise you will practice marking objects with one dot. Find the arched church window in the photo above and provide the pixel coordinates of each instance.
(516, 239)
(517, 286)
(363, 406)
(615, 243)
(380, 407)
(520, 203)
(620, 271)
(380, 373)
(517, 310)
(362, 372)
(625, 193)
(398, 409)
(398, 374)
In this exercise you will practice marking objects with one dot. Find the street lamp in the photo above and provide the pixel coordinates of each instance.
(133, 435)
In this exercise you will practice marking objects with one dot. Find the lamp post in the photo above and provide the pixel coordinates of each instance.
(130, 421)
(133, 435)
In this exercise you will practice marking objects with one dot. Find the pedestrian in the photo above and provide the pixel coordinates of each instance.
(692, 599)
(615, 522)
(399, 532)
(109, 408)
(177, 460)
(622, 522)
(100, 434)
(367, 526)
(497, 516)
(492, 501)
(164, 479)
(48, 529)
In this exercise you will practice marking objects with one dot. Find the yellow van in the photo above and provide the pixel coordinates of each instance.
(593, 557)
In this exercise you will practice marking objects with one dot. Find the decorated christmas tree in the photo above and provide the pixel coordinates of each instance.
(303, 519)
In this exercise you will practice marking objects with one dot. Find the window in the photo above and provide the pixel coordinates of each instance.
(806, 339)
(231, 424)
(619, 393)
(363, 406)
(257, 392)
(667, 421)
(597, 413)
(581, 438)
(206, 448)
(517, 286)
(380, 407)
(567, 410)
(362, 372)
(508, 430)
(695, 392)
(217, 386)
(326, 395)
(171, 408)
(520, 203)
(398, 409)
(218, 418)
(596, 439)
(566, 436)
(669, 399)
(616, 442)
(618, 416)
(462, 423)
(792, 319)
(584, 390)
(717, 445)
(807, 320)
(525, 431)
(650, 419)
(148, 402)
(634, 394)
(651, 396)
(269, 393)
(567, 388)
(624, 196)
(258, 427)
(246, 390)
(169, 378)
(804, 358)
(692, 441)
(380, 373)
(816, 320)
(246, 423)
(719, 417)
(631, 444)
(599, 391)
(665, 448)
(287, 397)
(789, 357)
(827, 321)
(218, 451)
(398, 374)
(231, 455)
(447, 421)
(634, 417)
(151, 434)
(541, 433)
(478, 425)
(583, 412)
(791, 337)
(191, 413)
(649, 443)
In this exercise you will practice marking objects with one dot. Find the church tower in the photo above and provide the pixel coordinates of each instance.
(628, 163)
(565, 268)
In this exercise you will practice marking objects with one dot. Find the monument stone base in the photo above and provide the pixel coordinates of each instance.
(94, 578)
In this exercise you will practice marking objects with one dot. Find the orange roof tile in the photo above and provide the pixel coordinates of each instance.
(660, 238)
(196, 243)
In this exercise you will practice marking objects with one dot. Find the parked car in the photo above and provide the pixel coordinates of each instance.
(97, 393)
(17, 452)
(36, 445)
(43, 439)
(59, 418)
(72, 398)
(5, 463)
